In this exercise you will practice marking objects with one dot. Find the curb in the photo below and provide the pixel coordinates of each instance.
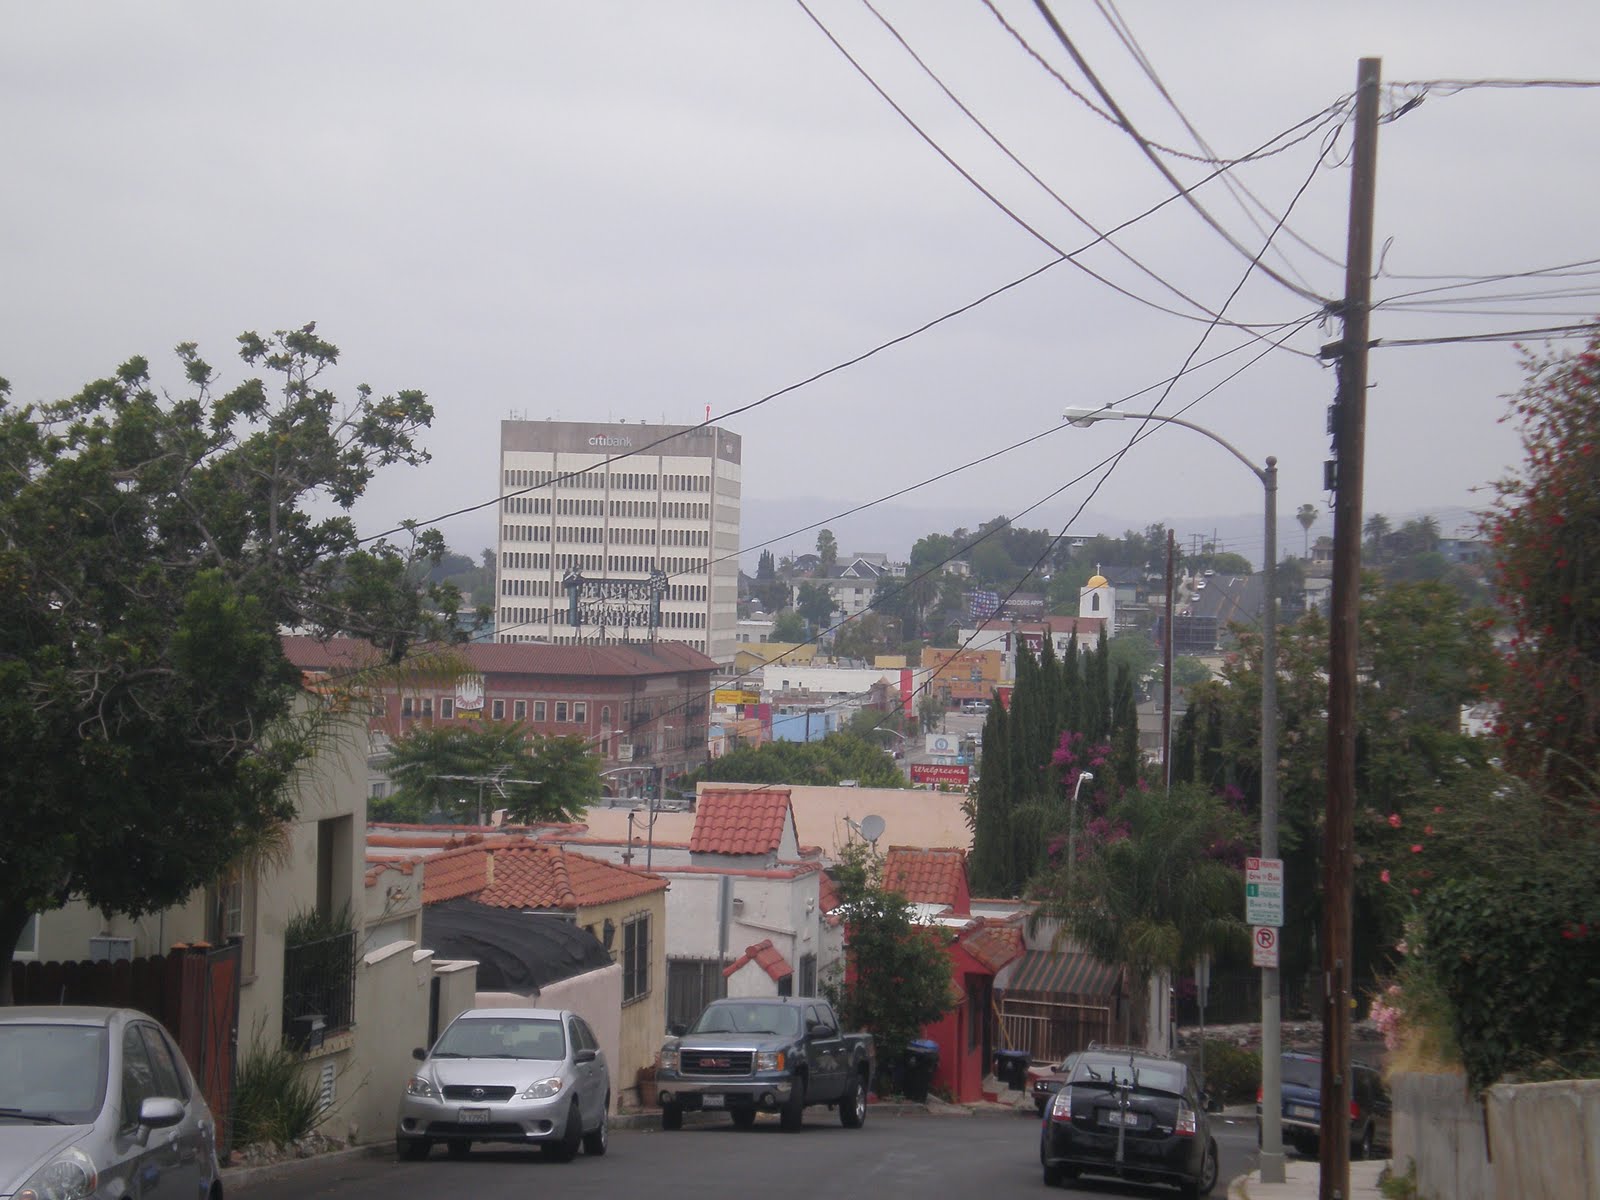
(243, 1177)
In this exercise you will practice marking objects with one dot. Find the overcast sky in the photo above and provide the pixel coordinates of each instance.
(594, 211)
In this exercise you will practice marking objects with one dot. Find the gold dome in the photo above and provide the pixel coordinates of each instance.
(1097, 581)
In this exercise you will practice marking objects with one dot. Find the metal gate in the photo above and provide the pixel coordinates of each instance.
(1049, 1030)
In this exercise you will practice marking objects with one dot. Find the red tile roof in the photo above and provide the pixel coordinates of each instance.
(994, 944)
(520, 658)
(731, 821)
(765, 956)
(928, 876)
(530, 875)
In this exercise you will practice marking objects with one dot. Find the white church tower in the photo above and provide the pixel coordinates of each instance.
(1098, 598)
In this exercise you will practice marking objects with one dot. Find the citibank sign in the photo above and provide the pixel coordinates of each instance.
(603, 440)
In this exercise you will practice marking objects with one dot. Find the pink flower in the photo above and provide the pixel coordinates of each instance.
(1402, 947)
(1384, 875)
(1416, 848)
(1394, 820)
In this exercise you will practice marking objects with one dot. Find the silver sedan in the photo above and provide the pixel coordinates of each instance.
(524, 1076)
(99, 1102)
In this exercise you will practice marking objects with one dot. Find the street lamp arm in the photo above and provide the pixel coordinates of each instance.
(1088, 416)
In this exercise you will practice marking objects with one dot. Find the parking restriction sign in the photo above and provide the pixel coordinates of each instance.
(1264, 946)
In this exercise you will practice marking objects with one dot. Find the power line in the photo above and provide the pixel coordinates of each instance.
(1558, 332)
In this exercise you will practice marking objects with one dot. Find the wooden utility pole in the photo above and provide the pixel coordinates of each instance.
(1348, 425)
(1166, 670)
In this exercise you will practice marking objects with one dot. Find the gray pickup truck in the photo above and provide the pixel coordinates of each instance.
(764, 1055)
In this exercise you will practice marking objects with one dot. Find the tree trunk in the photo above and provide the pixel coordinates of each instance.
(13, 919)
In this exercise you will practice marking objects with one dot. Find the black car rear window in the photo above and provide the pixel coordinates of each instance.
(1156, 1075)
(1303, 1072)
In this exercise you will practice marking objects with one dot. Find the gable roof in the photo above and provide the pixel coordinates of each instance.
(928, 876)
(527, 874)
(994, 943)
(741, 821)
(765, 955)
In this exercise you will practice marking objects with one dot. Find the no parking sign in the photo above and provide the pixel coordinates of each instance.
(1264, 946)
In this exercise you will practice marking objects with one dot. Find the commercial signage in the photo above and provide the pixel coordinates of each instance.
(603, 440)
(939, 773)
(944, 743)
(735, 696)
(469, 695)
(1263, 891)
(1264, 946)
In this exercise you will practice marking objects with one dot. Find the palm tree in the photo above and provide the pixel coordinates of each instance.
(1307, 516)
(1154, 888)
(1378, 531)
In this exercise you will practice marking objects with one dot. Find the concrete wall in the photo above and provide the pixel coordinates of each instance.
(643, 1021)
(1439, 1126)
(596, 996)
(1546, 1139)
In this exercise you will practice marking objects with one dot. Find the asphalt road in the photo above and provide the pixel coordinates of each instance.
(891, 1157)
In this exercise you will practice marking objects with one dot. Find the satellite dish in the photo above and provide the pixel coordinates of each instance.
(872, 828)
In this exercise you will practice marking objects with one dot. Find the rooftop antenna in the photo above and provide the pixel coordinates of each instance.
(871, 828)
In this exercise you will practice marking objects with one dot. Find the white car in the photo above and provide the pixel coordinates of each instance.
(522, 1076)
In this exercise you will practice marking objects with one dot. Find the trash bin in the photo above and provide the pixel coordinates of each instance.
(1011, 1068)
(921, 1061)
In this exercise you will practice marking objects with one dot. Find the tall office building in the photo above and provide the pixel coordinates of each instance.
(668, 503)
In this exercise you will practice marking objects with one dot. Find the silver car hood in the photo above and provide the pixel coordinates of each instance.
(25, 1147)
(501, 1071)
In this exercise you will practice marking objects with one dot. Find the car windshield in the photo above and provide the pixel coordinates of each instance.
(1145, 1075)
(53, 1073)
(503, 1037)
(1303, 1072)
(749, 1018)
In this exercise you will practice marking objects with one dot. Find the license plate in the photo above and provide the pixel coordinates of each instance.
(1121, 1118)
(474, 1116)
(1301, 1110)
(710, 1101)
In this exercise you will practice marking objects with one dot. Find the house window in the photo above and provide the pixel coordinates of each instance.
(538, 710)
(561, 710)
(447, 706)
(427, 706)
(580, 712)
(519, 710)
(380, 705)
(635, 958)
(405, 707)
(497, 709)
(28, 943)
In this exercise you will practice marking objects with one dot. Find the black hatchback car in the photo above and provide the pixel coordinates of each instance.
(1302, 1106)
(1133, 1115)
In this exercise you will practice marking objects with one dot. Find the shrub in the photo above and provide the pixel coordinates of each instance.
(1232, 1073)
(275, 1101)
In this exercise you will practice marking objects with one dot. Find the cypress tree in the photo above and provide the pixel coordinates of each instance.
(1125, 732)
(991, 833)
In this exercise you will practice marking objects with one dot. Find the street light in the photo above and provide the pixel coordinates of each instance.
(1271, 1004)
(1072, 826)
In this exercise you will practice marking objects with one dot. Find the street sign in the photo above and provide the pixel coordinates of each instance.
(939, 773)
(1263, 891)
(944, 743)
(1264, 946)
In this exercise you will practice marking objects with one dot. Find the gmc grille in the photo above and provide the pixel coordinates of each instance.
(716, 1062)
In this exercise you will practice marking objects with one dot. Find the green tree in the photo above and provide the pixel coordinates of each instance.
(766, 567)
(455, 768)
(825, 763)
(899, 978)
(789, 627)
(814, 602)
(1188, 672)
(1226, 563)
(828, 552)
(1157, 882)
(1307, 516)
(1136, 654)
(1545, 531)
(1378, 531)
(151, 548)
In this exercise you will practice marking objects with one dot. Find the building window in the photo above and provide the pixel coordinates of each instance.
(519, 710)
(405, 707)
(427, 706)
(497, 710)
(28, 943)
(580, 712)
(538, 710)
(447, 706)
(561, 710)
(380, 705)
(635, 958)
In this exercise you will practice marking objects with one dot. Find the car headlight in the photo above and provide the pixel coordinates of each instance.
(769, 1060)
(71, 1176)
(543, 1090)
(669, 1060)
(421, 1085)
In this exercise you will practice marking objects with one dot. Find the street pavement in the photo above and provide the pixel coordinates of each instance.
(922, 1156)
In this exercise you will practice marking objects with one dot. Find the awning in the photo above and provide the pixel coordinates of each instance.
(1043, 972)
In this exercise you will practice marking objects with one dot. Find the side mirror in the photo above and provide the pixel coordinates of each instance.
(159, 1112)
(419, 1054)
(818, 1030)
(1212, 1104)
(677, 1029)
(585, 1056)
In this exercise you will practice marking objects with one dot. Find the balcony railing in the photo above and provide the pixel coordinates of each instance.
(319, 989)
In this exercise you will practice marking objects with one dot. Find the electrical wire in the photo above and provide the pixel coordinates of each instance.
(1166, 172)
(1556, 332)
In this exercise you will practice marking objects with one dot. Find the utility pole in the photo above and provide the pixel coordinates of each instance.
(1166, 664)
(1348, 425)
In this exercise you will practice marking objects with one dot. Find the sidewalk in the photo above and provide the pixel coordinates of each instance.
(1301, 1180)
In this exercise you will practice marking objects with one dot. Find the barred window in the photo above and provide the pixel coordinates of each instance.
(635, 957)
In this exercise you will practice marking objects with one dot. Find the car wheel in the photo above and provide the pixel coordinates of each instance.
(671, 1117)
(571, 1138)
(794, 1108)
(458, 1149)
(853, 1108)
(743, 1118)
(1208, 1170)
(595, 1141)
(1054, 1176)
(412, 1149)
(1363, 1148)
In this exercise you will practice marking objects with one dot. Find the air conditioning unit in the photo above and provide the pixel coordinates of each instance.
(110, 949)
